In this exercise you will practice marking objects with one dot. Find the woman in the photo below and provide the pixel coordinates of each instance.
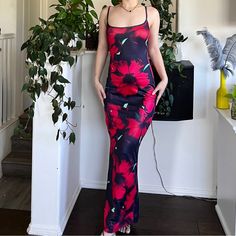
(129, 32)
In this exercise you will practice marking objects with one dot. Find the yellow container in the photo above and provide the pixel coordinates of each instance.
(221, 101)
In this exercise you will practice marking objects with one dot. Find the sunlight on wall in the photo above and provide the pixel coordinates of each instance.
(8, 16)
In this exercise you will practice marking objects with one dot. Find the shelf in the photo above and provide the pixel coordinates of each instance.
(226, 114)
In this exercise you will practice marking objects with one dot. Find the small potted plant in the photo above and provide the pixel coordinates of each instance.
(91, 42)
(232, 97)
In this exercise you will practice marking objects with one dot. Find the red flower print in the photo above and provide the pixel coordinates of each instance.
(114, 33)
(130, 216)
(130, 198)
(113, 51)
(149, 102)
(129, 78)
(113, 119)
(123, 167)
(137, 128)
(142, 33)
(130, 179)
(118, 191)
(106, 209)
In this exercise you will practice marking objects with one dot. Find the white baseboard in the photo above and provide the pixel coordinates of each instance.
(144, 188)
(223, 221)
(37, 229)
(49, 230)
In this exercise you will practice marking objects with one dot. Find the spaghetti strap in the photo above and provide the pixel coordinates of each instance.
(146, 11)
(108, 13)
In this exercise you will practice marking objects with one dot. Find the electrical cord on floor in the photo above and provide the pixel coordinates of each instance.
(162, 183)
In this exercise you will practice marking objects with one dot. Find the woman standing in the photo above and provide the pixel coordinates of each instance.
(129, 32)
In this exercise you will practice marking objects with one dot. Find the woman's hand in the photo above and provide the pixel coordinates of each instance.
(161, 88)
(100, 91)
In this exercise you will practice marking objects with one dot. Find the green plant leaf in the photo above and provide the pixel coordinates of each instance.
(77, 12)
(54, 77)
(32, 95)
(71, 60)
(55, 50)
(33, 71)
(55, 103)
(45, 86)
(72, 104)
(63, 2)
(44, 22)
(90, 3)
(228, 95)
(75, 1)
(62, 79)
(25, 45)
(171, 98)
(115, 2)
(38, 89)
(54, 118)
(59, 89)
(64, 117)
(42, 71)
(62, 15)
(58, 111)
(58, 132)
(33, 55)
(25, 87)
(72, 137)
(89, 17)
(94, 14)
(79, 44)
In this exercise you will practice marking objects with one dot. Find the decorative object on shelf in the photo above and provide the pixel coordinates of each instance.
(223, 59)
(232, 97)
(52, 42)
(222, 102)
(176, 102)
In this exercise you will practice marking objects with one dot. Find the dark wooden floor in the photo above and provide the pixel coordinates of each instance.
(159, 215)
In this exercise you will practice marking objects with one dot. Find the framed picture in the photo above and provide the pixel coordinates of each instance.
(177, 100)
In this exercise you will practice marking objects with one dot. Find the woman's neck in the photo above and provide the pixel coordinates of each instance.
(129, 4)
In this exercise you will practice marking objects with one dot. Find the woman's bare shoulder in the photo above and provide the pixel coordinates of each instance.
(104, 11)
(152, 11)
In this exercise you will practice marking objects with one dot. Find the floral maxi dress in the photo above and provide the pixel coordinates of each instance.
(129, 107)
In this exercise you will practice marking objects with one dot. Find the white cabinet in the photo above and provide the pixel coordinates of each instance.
(226, 171)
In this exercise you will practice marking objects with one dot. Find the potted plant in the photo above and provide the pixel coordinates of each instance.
(232, 97)
(223, 59)
(50, 44)
(91, 42)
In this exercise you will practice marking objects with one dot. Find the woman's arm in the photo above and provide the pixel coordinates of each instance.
(101, 55)
(155, 54)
